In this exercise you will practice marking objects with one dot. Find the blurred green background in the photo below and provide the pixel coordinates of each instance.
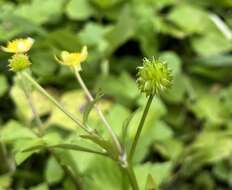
(187, 140)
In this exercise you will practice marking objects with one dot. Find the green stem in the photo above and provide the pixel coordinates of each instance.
(30, 102)
(40, 124)
(101, 115)
(140, 127)
(132, 178)
(66, 112)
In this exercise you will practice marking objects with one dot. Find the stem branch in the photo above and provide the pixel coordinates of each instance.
(66, 112)
(101, 115)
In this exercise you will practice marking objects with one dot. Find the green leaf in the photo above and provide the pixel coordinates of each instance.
(106, 145)
(191, 19)
(103, 174)
(150, 185)
(104, 4)
(40, 12)
(5, 181)
(77, 148)
(202, 108)
(3, 85)
(159, 171)
(79, 9)
(122, 88)
(173, 61)
(23, 109)
(53, 171)
(42, 186)
(90, 106)
(121, 32)
(14, 131)
(176, 93)
(206, 150)
(211, 44)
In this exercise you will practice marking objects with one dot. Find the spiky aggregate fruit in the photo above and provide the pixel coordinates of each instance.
(154, 77)
(19, 62)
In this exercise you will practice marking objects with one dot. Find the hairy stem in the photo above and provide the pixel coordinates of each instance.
(101, 115)
(46, 94)
(140, 127)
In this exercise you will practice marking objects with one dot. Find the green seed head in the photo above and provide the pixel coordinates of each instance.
(19, 62)
(154, 77)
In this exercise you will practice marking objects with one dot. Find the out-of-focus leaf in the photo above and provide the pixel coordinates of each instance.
(121, 32)
(203, 109)
(116, 116)
(159, 172)
(105, 3)
(53, 172)
(115, 86)
(150, 184)
(43, 64)
(42, 186)
(191, 19)
(8, 132)
(62, 39)
(222, 171)
(173, 61)
(79, 9)
(177, 92)
(40, 12)
(21, 144)
(145, 29)
(211, 44)
(209, 147)
(3, 85)
(5, 181)
(75, 101)
(169, 148)
(23, 109)
(103, 174)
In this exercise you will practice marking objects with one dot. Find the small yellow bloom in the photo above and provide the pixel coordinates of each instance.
(73, 59)
(19, 45)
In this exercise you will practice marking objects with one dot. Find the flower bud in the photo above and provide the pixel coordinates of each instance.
(153, 77)
(19, 62)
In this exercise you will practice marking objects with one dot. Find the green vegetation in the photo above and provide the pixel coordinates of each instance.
(186, 140)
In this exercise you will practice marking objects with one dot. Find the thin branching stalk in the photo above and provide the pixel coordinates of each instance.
(40, 124)
(140, 127)
(66, 112)
(101, 115)
(27, 93)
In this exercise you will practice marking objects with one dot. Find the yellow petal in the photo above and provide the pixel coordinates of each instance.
(84, 53)
(73, 59)
(19, 45)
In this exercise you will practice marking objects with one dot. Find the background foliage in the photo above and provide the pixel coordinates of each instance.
(187, 142)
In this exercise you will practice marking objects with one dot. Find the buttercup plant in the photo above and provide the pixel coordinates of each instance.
(153, 78)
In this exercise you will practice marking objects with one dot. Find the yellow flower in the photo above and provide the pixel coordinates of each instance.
(73, 59)
(19, 45)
